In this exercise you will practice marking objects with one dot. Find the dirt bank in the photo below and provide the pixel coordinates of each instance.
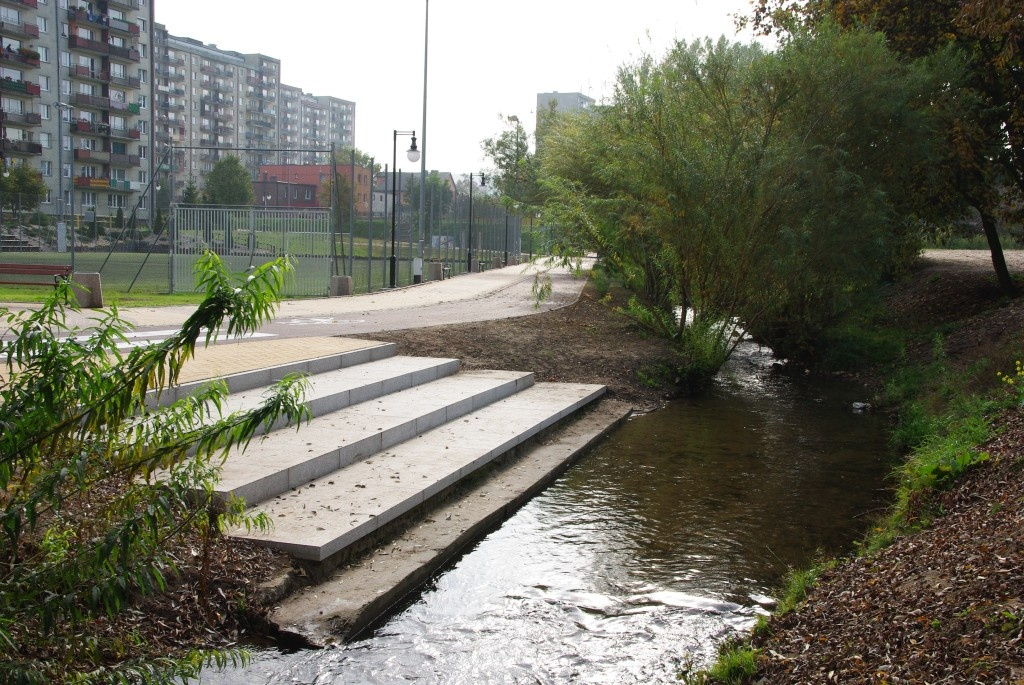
(945, 605)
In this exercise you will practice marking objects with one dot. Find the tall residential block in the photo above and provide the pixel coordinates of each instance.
(76, 89)
(213, 102)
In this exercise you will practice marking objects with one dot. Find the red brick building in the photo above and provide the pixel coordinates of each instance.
(298, 185)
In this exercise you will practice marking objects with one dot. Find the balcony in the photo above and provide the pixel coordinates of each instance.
(106, 183)
(79, 43)
(21, 3)
(124, 106)
(83, 16)
(129, 54)
(20, 119)
(106, 130)
(90, 101)
(85, 126)
(122, 26)
(12, 87)
(18, 28)
(126, 81)
(84, 155)
(166, 59)
(124, 133)
(85, 73)
(21, 147)
(125, 160)
(125, 4)
(23, 57)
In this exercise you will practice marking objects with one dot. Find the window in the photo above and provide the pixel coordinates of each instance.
(65, 171)
(88, 199)
(143, 127)
(44, 83)
(44, 139)
(46, 168)
(65, 87)
(65, 58)
(143, 75)
(43, 24)
(67, 143)
(44, 53)
(115, 201)
(143, 152)
(142, 99)
(44, 112)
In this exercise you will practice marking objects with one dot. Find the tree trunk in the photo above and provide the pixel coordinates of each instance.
(1006, 284)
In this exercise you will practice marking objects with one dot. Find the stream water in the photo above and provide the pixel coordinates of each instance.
(634, 565)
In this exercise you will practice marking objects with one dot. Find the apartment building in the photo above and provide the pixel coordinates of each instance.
(76, 97)
(213, 102)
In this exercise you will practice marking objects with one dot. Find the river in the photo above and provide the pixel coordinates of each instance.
(642, 558)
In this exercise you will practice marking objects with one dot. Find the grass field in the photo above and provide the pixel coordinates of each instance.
(134, 279)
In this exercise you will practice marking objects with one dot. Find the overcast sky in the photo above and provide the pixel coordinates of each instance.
(486, 59)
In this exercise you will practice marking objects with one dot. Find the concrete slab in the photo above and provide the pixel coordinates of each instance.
(287, 459)
(247, 365)
(332, 512)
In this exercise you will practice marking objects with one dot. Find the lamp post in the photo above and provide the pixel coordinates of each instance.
(414, 155)
(423, 130)
(63, 107)
(469, 251)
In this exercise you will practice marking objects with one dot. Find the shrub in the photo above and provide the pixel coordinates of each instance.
(95, 485)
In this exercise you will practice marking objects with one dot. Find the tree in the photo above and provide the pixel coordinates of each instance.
(763, 192)
(191, 196)
(343, 156)
(439, 194)
(984, 164)
(228, 183)
(22, 188)
(97, 484)
(517, 167)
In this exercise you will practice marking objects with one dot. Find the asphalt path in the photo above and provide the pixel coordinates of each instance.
(495, 294)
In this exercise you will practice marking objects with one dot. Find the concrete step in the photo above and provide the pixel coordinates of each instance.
(337, 509)
(262, 376)
(333, 390)
(289, 458)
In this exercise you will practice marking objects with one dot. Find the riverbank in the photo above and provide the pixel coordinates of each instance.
(944, 604)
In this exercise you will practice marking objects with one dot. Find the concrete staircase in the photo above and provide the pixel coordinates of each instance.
(389, 434)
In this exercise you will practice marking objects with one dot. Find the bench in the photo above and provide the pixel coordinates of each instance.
(57, 272)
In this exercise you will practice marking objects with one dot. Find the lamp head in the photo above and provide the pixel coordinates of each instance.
(483, 180)
(413, 154)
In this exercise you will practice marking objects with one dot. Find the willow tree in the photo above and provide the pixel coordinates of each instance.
(762, 191)
(984, 142)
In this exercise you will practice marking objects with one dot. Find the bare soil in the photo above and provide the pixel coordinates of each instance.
(587, 342)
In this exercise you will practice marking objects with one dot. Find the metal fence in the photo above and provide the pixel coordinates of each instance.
(160, 258)
(247, 236)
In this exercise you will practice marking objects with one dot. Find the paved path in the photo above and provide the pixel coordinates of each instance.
(494, 294)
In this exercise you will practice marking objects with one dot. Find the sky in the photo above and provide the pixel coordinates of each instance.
(486, 60)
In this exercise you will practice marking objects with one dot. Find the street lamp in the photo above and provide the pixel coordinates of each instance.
(414, 155)
(63, 107)
(469, 251)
